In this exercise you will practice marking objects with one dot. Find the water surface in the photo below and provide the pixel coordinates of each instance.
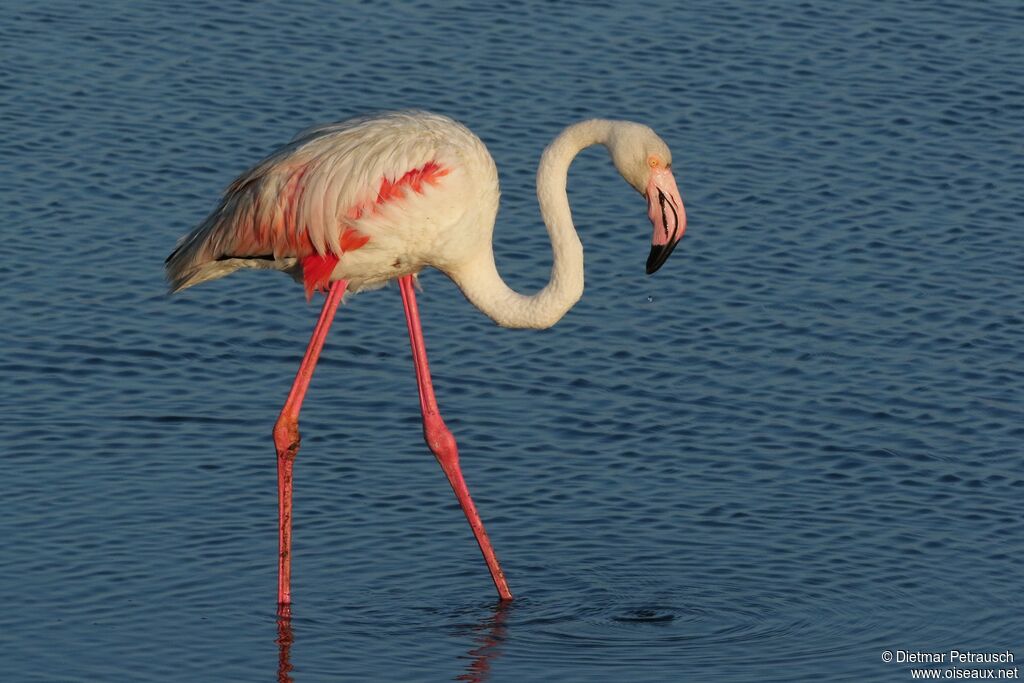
(796, 446)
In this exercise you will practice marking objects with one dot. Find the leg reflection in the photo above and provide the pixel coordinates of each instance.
(285, 638)
(488, 638)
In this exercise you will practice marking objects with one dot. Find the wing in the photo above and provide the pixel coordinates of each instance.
(297, 202)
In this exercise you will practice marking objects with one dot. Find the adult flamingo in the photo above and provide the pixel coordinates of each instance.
(352, 205)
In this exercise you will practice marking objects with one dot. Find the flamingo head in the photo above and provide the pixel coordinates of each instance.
(645, 161)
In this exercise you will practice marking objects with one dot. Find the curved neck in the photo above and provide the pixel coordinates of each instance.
(479, 279)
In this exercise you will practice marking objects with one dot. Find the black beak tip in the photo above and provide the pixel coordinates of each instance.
(659, 254)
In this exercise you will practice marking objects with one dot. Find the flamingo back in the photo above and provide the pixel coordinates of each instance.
(301, 208)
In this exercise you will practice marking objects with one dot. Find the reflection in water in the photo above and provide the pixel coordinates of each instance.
(489, 634)
(285, 638)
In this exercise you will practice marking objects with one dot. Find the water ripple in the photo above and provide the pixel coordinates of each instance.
(796, 446)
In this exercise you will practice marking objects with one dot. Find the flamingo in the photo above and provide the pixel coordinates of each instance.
(350, 206)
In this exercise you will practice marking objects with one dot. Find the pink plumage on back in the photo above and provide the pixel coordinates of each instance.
(259, 227)
(298, 209)
(317, 268)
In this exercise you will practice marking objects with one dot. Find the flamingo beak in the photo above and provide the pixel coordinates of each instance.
(665, 209)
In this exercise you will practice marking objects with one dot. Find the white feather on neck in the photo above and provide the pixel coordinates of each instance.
(479, 279)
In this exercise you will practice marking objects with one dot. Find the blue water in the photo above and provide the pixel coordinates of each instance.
(796, 446)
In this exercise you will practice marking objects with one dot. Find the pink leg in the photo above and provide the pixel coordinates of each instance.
(286, 440)
(440, 439)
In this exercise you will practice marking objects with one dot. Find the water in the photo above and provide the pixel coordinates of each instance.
(795, 447)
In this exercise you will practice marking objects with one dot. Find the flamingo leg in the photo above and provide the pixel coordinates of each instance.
(286, 440)
(439, 438)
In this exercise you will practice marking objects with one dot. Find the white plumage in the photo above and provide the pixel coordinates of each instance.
(301, 200)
